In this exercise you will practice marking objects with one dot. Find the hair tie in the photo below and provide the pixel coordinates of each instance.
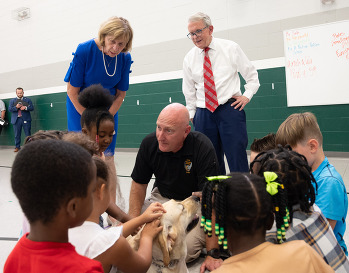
(272, 186)
(216, 180)
(218, 177)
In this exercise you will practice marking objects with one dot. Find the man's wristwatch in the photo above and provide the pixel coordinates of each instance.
(214, 253)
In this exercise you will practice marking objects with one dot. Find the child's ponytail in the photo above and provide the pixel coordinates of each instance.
(279, 198)
(214, 185)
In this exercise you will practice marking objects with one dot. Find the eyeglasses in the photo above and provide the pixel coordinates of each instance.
(196, 33)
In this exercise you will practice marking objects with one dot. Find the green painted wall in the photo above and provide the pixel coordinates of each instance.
(144, 101)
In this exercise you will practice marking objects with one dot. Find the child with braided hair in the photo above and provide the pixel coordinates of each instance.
(98, 124)
(243, 207)
(307, 224)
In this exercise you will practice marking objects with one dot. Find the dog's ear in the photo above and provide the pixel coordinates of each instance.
(167, 239)
(172, 237)
(162, 238)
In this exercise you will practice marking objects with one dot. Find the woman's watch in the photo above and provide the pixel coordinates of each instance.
(214, 253)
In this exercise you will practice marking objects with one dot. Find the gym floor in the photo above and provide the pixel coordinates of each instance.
(10, 211)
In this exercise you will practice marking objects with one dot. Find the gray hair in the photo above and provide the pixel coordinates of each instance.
(200, 16)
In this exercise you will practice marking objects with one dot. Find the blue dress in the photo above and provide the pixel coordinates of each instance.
(87, 68)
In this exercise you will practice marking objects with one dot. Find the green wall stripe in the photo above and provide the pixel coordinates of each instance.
(143, 102)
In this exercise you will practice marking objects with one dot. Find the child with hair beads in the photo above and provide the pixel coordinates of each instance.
(109, 246)
(243, 208)
(307, 224)
(98, 124)
(54, 183)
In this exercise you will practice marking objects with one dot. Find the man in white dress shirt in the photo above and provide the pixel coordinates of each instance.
(226, 125)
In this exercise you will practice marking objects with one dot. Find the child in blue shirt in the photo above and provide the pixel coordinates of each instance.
(302, 132)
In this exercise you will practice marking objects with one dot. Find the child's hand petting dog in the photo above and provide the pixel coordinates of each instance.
(154, 211)
(151, 229)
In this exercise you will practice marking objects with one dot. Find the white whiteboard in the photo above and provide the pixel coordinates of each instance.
(317, 64)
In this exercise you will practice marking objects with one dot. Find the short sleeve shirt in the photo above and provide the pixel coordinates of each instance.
(331, 198)
(32, 257)
(178, 174)
(88, 68)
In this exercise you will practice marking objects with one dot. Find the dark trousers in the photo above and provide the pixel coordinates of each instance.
(226, 128)
(20, 123)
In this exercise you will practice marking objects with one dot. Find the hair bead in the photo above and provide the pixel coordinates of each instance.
(216, 226)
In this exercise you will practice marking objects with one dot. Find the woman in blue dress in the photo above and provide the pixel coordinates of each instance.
(104, 60)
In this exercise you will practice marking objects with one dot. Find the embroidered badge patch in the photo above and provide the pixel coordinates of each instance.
(187, 165)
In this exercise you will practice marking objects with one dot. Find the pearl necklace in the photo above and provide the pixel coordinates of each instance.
(106, 71)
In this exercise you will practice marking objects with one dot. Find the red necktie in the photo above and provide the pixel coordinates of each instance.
(211, 100)
(19, 113)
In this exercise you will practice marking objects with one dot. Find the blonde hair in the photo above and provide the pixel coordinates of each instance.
(119, 28)
(298, 128)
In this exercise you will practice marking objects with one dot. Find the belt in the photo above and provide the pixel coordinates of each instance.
(231, 100)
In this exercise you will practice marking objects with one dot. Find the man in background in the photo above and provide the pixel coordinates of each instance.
(20, 108)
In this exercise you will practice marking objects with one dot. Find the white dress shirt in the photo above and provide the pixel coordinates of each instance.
(227, 60)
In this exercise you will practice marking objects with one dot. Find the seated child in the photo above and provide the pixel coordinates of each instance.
(109, 246)
(262, 145)
(307, 225)
(54, 183)
(243, 209)
(301, 131)
(98, 124)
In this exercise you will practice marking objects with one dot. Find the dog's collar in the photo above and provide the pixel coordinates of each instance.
(160, 264)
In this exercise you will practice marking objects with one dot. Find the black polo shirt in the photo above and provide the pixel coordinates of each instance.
(178, 174)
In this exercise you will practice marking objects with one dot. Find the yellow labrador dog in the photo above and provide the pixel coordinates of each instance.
(169, 248)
